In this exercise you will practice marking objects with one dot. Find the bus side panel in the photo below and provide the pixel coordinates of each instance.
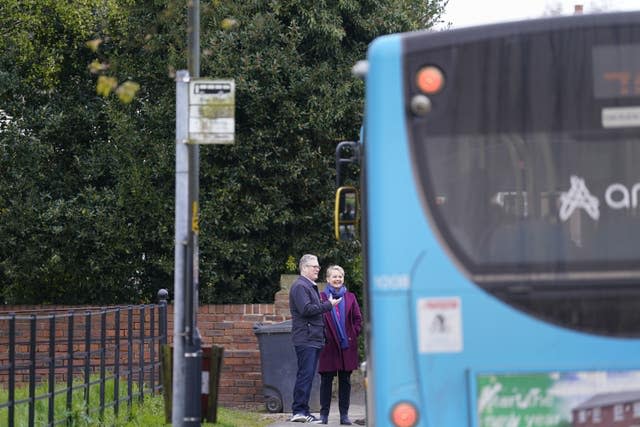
(392, 359)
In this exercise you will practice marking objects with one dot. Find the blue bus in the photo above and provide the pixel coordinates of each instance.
(499, 211)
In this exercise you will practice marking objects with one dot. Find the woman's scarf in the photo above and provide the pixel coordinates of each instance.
(341, 307)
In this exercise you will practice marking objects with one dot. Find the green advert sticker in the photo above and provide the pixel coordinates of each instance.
(557, 399)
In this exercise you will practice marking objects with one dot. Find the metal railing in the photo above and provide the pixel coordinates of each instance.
(60, 358)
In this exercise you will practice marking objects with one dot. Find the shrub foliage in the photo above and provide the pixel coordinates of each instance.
(87, 189)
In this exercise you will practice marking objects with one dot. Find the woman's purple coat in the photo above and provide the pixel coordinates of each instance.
(332, 357)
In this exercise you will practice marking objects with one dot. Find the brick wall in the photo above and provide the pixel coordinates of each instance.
(231, 327)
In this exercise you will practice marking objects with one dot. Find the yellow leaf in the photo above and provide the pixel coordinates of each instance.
(229, 24)
(127, 91)
(105, 85)
(94, 44)
(96, 66)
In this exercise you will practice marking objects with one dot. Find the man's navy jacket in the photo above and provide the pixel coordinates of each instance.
(307, 324)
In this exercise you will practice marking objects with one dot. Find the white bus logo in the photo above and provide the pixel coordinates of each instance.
(616, 196)
(578, 196)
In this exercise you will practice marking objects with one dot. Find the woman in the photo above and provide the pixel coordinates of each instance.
(340, 352)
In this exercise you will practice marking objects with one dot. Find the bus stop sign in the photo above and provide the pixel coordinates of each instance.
(211, 111)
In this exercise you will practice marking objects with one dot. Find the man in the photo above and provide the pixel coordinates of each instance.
(307, 333)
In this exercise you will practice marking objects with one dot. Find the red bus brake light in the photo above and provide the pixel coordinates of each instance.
(430, 79)
(404, 415)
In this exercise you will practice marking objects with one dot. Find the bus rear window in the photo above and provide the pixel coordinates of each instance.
(506, 203)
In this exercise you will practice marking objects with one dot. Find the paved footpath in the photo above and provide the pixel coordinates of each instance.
(357, 413)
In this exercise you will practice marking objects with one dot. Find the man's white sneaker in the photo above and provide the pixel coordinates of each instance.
(302, 418)
(299, 418)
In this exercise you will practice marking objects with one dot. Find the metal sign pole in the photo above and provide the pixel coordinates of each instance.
(205, 114)
(187, 373)
(193, 348)
(181, 244)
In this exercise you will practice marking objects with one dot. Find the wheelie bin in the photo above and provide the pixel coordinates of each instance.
(279, 367)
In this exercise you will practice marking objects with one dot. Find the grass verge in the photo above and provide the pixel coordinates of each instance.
(148, 413)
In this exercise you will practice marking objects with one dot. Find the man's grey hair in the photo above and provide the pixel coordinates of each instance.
(306, 259)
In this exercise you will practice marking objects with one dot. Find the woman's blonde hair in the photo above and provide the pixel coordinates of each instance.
(332, 268)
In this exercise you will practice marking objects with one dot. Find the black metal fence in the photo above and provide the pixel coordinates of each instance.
(55, 365)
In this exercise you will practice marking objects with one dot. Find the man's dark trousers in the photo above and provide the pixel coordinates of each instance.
(307, 365)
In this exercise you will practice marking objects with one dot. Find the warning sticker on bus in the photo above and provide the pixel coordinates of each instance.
(440, 325)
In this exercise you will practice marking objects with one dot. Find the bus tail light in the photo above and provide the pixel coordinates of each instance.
(404, 415)
(430, 79)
